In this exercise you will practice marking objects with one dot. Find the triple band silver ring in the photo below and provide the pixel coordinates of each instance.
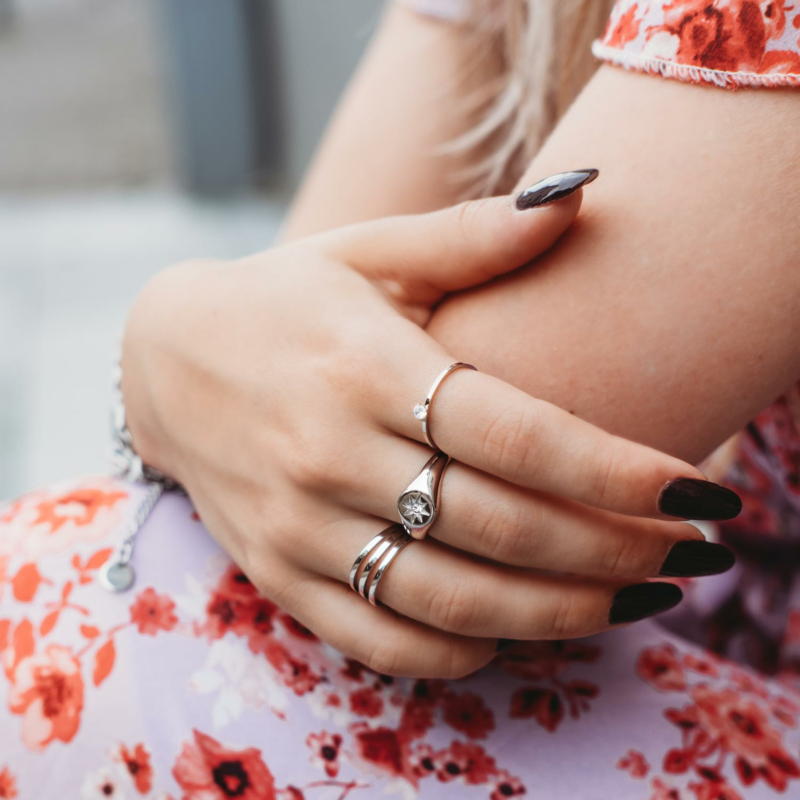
(373, 561)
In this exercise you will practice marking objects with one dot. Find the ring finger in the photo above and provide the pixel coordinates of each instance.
(448, 590)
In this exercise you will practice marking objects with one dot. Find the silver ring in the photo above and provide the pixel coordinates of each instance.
(418, 505)
(422, 410)
(379, 552)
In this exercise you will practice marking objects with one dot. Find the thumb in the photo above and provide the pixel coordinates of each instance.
(428, 255)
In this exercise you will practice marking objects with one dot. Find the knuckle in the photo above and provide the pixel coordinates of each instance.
(622, 556)
(564, 622)
(385, 658)
(454, 606)
(468, 215)
(501, 532)
(609, 475)
(510, 441)
(314, 467)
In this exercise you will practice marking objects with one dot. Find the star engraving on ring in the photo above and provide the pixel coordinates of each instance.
(415, 509)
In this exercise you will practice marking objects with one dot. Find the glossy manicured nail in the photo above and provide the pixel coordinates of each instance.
(694, 558)
(554, 188)
(691, 498)
(643, 600)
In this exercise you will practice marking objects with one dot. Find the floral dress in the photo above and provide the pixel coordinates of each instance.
(192, 686)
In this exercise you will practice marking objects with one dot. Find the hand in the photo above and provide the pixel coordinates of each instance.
(278, 390)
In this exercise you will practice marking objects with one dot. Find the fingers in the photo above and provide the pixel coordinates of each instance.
(492, 426)
(377, 637)
(429, 255)
(494, 519)
(449, 591)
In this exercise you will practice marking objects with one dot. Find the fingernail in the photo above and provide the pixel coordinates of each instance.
(691, 498)
(694, 558)
(643, 600)
(556, 187)
(504, 644)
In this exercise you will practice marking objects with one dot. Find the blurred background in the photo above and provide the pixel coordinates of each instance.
(133, 134)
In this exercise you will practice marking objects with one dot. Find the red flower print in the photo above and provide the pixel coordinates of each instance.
(623, 29)
(79, 507)
(742, 727)
(206, 770)
(296, 675)
(47, 690)
(468, 713)
(101, 785)
(714, 790)
(423, 761)
(137, 762)
(325, 751)
(153, 612)
(507, 786)
(634, 763)
(378, 748)
(366, 702)
(544, 705)
(661, 791)
(539, 660)
(290, 793)
(477, 767)
(660, 667)
(296, 629)
(8, 785)
(702, 665)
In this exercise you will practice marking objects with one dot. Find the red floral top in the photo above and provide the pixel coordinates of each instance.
(726, 43)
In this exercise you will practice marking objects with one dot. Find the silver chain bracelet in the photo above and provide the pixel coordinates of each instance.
(117, 574)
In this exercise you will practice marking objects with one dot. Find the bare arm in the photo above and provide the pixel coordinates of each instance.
(671, 312)
(381, 154)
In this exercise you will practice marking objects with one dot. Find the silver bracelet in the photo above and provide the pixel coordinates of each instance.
(117, 574)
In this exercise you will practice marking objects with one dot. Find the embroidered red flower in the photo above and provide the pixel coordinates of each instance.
(8, 785)
(206, 770)
(468, 713)
(325, 751)
(152, 612)
(137, 763)
(47, 690)
(366, 702)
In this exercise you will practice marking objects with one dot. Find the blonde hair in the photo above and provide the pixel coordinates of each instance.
(546, 61)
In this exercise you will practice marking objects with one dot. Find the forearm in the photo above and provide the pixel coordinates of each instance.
(382, 154)
(671, 312)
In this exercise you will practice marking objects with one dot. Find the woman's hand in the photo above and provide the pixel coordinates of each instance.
(278, 390)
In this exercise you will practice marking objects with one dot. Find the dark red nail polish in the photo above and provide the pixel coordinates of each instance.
(691, 498)
(643, 600)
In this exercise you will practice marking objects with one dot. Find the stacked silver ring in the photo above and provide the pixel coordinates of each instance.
(417, 506)
(373, 561)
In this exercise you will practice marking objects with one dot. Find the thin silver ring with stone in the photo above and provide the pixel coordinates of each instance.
(378, 554)
(418, 504)
(422, 410)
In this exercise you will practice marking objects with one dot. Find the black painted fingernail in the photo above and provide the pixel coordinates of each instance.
(694, 557)
(504, 644)
(691, 498)
(556, 187)
(643, 600)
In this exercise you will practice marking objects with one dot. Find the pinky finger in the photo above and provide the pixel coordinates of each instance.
(377, 636)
